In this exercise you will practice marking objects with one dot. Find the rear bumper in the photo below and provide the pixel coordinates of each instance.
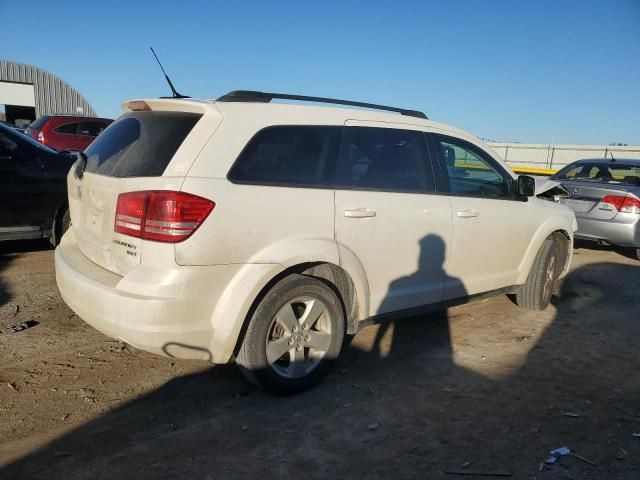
(623, 230)
(167, 312)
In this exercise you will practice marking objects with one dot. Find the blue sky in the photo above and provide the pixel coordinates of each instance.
(560, 71)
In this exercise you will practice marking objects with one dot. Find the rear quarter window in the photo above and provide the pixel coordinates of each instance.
(139, 144)
(297, 156)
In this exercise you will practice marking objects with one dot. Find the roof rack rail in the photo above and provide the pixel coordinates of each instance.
(263, 97)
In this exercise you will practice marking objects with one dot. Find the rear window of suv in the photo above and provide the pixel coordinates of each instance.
(139, 144)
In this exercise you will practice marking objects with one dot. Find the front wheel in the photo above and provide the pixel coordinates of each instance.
(293, 337)
(536, 293)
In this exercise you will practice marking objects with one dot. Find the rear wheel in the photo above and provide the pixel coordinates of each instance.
(536, 293)
(61, 225)
(293, 337)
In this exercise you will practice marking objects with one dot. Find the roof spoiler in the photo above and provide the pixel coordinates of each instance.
(263, 97)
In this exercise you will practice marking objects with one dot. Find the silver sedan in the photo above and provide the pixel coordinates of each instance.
(605, 196)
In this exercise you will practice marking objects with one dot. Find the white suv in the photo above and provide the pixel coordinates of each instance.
(260, 232)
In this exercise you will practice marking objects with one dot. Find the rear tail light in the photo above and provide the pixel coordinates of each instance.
(631, 205)
(130, 213)
(160, 215)
(623, 204)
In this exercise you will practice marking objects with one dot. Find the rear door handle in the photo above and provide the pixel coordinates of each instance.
(362, 213)
(468, 213)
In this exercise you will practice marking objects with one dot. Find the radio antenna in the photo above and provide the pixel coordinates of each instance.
(173, 89)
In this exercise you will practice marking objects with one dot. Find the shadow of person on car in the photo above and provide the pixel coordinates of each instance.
(390, 335)
(448, 396)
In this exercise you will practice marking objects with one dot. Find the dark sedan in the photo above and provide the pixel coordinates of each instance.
(605, 196)
(33, 188)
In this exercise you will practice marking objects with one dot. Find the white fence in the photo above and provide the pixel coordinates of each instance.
(554, 157)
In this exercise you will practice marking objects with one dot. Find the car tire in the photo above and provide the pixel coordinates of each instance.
(60, 226)
(536, 293)
(294, 335)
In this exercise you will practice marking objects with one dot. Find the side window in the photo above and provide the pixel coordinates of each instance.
(71, 128)
(471, 171)
(289, 156)
(92, 129)
(384, 159)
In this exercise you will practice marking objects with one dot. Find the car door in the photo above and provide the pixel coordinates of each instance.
(23, 189)
(491, 227)
(81, 140)
(387, 216)
(66, 137)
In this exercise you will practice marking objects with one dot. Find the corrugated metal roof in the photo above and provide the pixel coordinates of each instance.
(52, 95)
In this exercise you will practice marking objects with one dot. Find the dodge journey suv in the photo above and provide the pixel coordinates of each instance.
(264, 233)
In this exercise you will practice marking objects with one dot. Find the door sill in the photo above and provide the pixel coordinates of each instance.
(433, 307)
(22, 232)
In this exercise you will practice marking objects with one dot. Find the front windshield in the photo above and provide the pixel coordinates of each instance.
(609, 173)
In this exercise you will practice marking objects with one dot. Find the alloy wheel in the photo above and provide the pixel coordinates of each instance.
(298, 337)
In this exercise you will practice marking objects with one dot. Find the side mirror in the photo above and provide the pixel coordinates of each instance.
(526, 186)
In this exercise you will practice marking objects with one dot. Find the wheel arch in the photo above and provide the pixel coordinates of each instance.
(538, 239)
(249, 286)
(227, 338)
(56, 226)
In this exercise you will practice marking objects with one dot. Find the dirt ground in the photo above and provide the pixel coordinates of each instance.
(481, 388)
